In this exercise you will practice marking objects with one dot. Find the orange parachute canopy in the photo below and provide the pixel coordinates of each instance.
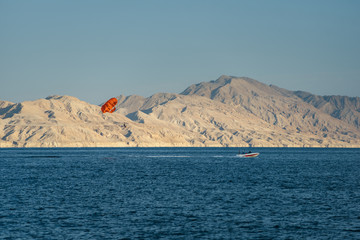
(109, 106)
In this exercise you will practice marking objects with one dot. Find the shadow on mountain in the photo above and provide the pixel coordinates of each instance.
(11, 110)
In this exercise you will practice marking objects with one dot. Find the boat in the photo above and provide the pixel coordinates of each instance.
(248, 155)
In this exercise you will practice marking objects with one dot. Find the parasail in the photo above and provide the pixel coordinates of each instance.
(109, 106)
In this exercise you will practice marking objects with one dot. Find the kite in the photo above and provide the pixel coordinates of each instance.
(109, 106)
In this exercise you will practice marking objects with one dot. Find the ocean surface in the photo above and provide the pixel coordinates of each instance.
(179, 193)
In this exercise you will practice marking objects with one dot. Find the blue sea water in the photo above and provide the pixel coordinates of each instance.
(179, 193)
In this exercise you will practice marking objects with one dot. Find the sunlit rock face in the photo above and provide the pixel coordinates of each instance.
(230, 111)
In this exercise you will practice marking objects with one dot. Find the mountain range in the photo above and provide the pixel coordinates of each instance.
(229, 112)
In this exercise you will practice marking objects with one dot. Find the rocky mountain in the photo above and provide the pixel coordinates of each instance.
(340, 107)
(64, 121)
(287, 109)
(230, 111)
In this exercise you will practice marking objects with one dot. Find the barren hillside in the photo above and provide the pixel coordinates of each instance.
(229, 111)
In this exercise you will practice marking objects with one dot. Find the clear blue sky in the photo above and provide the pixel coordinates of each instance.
(94, 50)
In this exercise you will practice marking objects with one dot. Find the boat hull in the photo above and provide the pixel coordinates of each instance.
(248, 155)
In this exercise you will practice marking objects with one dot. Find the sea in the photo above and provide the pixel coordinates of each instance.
(179, 193)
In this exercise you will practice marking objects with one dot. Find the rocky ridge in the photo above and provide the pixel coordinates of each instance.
(231, 111)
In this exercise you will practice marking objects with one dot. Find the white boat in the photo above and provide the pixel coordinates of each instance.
(248, 155)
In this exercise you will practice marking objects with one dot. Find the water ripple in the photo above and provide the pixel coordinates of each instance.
(179, 193)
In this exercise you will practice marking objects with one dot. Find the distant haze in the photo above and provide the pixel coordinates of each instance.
(95, 50)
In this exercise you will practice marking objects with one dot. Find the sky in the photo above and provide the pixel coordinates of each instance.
(98, 49)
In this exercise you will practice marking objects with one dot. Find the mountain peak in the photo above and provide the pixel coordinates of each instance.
(53, 97)
(226, 88)
(62, 98)
(228, 111)
(224, 79)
